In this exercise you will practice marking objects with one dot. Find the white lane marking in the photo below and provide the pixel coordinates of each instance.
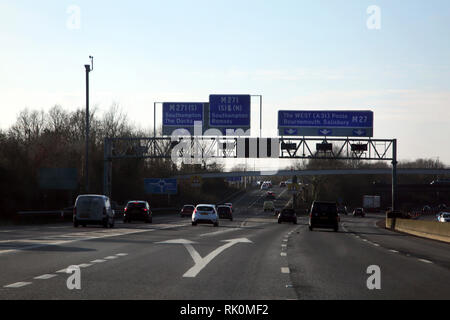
(62, 271)
(285, 240)
(110, 257)
(283, 246)
(122, 254)
(74, 237)
(45, 276)
(285, 270)
(98, 261)
(218, 232)
(376, 244)
(17, 285)
(394, 251)
(426, 261)
(85, 265)
(365, 240)
(283, 254)
(199, 262)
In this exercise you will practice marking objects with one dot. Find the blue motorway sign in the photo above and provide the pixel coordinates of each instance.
(234, 179)
(161, 186)
(325, 123)
(229, 111)
(181, 115)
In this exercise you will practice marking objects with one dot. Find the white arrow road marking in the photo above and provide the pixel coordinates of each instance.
(200, 262)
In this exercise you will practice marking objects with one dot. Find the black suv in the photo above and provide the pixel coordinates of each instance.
(137, 210)
(324, 215)
(287, 215)
(225, 212)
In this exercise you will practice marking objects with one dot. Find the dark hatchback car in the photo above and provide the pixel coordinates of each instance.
(324, 215)
(137, 210)
(225, 212)
(187, 210)
(287, 215)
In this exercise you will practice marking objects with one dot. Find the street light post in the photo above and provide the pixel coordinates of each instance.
(88, 68)
(260, 113)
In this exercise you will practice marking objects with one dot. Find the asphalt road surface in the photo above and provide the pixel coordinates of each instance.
(251, 257)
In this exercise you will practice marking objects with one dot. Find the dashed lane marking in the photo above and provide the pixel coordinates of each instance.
(17, 285)
(98, 261)
(45, 277)
(285, 270)
(283, 254)
(85, 265)
(426, 261)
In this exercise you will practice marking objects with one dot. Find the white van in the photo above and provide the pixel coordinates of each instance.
(93, 209)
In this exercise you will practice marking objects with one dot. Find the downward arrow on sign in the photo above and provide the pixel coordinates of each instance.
(200, 262)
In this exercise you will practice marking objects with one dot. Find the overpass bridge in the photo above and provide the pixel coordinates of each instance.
(323, 172)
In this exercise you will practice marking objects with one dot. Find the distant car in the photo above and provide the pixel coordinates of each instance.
(230, 205)
(359, 212)
(225, 212)
(205, 213)
(187, 210)
(444, 217)
(264, 186)
(270, 195)
(137, 210)
(268, 206)
(93, 209)
(287, 215)
(282, 184)
(323, 215)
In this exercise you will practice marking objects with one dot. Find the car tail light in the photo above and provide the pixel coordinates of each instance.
(125, 210)
(145, 209)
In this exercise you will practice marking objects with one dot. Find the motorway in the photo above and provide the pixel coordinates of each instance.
(251, 257)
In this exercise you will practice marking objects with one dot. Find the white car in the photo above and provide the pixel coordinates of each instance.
(264, 186)
(205, 213)
(93, 209)
(444, 217)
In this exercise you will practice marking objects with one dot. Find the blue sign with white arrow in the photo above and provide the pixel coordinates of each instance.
(161, 186)
(325, 123)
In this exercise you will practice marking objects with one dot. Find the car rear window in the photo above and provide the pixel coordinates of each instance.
(89, 203)
(204, 208)
(136, 205)
(325, 209)
(288, 212)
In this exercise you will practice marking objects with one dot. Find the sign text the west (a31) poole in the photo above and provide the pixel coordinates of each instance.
(325, 123)
(229, 112)
(181, 115)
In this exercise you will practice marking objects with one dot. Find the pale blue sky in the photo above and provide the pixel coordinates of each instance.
(297, 54)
